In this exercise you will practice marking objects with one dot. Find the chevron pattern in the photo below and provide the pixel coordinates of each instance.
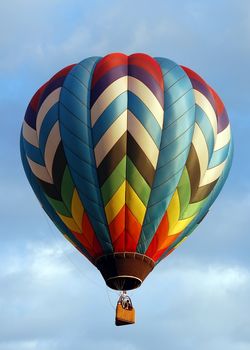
(127, 120)
(126, 153)
(42, 144)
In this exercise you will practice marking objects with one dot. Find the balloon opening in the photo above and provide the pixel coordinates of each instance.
(123, 282)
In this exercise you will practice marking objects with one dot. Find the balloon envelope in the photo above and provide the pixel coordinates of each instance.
(126, 154)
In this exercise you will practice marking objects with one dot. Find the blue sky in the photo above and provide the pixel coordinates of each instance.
(50, 296)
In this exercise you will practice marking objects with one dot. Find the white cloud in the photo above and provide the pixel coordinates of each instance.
(192, 305)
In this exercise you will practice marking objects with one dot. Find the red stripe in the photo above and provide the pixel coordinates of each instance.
(133, 231)
(192, 74)
(106, 63)
(218, 103)
(62, 72)
(125, 231)
(149, 64)
(89, 233)
(161, 241)
(159, 236)
(88, 239)
(35, 99)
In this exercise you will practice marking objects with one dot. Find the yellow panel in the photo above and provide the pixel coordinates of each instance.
(173, 212)
(135, 204)
(70, 223)
(116, 203)
(77, 208)
(180, 225)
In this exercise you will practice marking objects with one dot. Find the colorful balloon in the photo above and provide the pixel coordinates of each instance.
(126, 154)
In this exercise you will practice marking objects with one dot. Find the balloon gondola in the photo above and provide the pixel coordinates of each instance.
(126, 154)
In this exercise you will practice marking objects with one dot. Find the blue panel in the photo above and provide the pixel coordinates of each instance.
(175, 148)
(165, 173)
(166, 64)
(79, 90)
(182, 128)
(78, 147)
(77, 140)
(173, 76)
(219, 156)
(83, 73)
(78, 128)
(89, 191)
(88, 64)
(75, 108)
(111, 113)
(81, 167)
(179, 120)
(33, 152)
(177, 110)
(176, 91)
(147, 119)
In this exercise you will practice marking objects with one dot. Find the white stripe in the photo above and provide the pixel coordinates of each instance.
(107, 96)
(143, 139)
(147, 97)
(223, 138)
(200, 146)
(206, 106)
(49, 102)
(110, 137)
(39, 171)
(30, 134)
(213, 174)
(51, 147)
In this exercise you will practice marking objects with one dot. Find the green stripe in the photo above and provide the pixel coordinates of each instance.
(67, 188)
(184, 191)
(193, 209)
(58, 206)
(114, 181)
(138, 183)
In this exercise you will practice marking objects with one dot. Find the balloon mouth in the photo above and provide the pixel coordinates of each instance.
(123, 282)
(124, 271)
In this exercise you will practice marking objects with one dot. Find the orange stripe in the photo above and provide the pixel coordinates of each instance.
(159, 254)
(133, 231)
(125, 231)
(161, 240)
(160, 234)
(88, 239)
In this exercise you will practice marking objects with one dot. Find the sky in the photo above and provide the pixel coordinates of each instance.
(50, 296)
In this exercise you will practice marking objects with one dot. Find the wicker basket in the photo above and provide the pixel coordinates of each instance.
(124, 316)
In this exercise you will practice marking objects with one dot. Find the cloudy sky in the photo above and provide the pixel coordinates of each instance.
(50, 297)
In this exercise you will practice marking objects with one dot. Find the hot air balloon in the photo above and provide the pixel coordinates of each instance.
(126, 154)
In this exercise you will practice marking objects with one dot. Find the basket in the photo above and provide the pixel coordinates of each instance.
(125, 313)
